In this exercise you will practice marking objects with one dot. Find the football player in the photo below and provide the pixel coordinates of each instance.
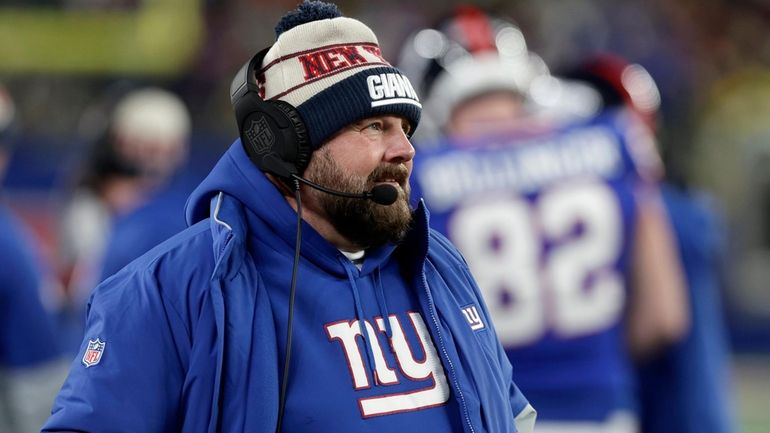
(554, 202)
(687, 387)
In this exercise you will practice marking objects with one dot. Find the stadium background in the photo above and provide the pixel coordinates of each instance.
(710, 59)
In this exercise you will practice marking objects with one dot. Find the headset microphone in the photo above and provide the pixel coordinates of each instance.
(382, 194)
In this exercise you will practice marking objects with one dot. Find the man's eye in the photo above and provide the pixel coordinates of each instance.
(406, 127)
(377, 126)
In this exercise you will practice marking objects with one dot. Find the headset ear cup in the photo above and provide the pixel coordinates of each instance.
(272, 133)
(302, 150)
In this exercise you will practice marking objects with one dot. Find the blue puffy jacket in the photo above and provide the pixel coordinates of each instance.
(190, 336)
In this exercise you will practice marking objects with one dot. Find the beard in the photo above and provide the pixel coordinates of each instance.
(363, 222)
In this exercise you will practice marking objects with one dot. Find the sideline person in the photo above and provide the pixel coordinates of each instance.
(388, 327)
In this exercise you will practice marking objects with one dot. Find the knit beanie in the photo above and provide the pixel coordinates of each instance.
(330, 68)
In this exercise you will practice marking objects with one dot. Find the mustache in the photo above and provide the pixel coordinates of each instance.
(397, 172)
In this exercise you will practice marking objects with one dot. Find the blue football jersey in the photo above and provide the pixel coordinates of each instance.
(546, 222)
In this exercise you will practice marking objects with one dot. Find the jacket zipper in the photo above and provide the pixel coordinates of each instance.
(436, 327)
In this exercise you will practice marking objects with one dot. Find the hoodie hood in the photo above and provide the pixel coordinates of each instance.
(269, 212)
(235, 175)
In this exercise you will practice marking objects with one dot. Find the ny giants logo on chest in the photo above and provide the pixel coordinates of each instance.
(429, 369)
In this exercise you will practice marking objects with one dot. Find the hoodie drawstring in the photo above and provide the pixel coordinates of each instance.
(360, 317)
(383, 305)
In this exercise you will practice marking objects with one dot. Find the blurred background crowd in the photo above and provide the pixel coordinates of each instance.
(89, 164)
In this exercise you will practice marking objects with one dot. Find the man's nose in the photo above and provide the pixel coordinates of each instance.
(400, 149)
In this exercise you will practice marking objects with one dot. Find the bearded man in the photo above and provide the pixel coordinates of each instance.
(302, 236)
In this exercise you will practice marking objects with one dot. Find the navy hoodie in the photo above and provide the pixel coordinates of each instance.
(191, 336)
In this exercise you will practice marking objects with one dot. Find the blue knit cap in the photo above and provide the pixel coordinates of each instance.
(331, 69)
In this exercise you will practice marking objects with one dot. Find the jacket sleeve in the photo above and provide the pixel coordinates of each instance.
(130, 378)
(523, 412)
(525, 415)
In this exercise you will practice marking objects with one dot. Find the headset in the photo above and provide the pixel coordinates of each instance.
(272, 132)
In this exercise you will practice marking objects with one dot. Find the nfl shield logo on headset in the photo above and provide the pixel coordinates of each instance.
(260, 136)
(94, 352)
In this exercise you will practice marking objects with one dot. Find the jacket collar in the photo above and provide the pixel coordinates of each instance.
(266, 214)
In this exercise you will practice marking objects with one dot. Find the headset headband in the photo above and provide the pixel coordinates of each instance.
(242, 83)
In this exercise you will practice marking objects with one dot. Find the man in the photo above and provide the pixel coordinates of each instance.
(141, 146)
(31, 363)
(558, 214)
(196, 335)
(130, 179)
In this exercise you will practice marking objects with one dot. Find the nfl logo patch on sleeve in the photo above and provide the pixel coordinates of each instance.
(94, 352)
